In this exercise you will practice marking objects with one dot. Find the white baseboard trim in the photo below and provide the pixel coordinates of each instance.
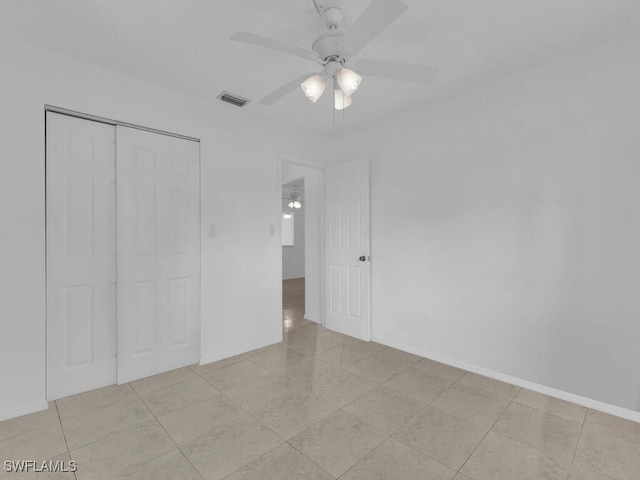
(536, 387)
(236, 351)
(310, 318)
(18, 412)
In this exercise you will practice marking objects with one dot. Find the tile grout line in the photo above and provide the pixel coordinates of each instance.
(288, 441)
(64, 435)
(418, 413)
(488, 432)
(518, 441)
(257, 458)
(168, 434)
(248, 413)
(311, 459)
(390, 435)
(513, 400)
(575, 451)
(429, 404)
(546, 412)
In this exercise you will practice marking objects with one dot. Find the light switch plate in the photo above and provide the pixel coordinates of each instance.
(272, 230)
(212, 231)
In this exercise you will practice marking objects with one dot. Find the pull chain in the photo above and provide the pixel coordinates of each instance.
(333, 109)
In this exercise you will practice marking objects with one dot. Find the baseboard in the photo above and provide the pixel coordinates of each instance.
(536, 387)
(236, 351)
(310, 318)
(18, 412)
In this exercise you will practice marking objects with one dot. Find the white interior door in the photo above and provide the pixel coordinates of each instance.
(158, 217)
(81, 255)
(347, 244)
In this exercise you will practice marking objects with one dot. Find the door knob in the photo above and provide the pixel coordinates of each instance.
(363, 258)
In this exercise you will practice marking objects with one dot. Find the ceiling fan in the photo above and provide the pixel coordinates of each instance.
(295, 199)
(334, 51)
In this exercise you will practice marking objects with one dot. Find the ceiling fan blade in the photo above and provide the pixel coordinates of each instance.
(409, 72)
(378, 15)
(259, 40)
(283, 90)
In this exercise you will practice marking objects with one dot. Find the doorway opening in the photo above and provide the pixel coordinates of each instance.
(303, 234)
(337, 246)
(293, 254)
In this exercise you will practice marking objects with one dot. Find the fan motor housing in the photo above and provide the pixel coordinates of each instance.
(332, 17)
(329, 44)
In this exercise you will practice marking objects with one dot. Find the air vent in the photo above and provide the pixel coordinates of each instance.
(233, 99)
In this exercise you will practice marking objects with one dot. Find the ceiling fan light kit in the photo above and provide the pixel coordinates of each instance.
(313, 87)
(294, 199)
(341, 100)
(334, 49)
(348, 80)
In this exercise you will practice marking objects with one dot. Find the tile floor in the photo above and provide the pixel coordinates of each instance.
(319, 406)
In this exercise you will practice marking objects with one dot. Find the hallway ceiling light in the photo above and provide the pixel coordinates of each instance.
(287, 215)
(294, 199)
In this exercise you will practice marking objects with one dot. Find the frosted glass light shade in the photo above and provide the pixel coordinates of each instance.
(287, 215)
(342, 101)
(348, 80)
(313, 87)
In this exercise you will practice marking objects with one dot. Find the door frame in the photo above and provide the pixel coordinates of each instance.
(95, 118)
(109, 121)
(285, 158)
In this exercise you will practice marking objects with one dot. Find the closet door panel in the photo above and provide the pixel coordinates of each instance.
(81, 262)
(158, 220)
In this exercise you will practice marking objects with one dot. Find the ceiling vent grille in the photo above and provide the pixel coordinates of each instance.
(236, 100)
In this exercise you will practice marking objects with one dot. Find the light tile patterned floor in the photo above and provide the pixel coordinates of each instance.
(323, 406)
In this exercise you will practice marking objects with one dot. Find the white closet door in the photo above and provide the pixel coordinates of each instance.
(347, 244)
(158, 180)
(81, 261)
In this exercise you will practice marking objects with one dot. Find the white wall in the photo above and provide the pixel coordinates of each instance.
(506, 226)
(293, 168)
(239, 156)
(293, 256)
(519, 251)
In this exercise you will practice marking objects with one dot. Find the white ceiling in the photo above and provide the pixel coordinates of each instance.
(183, 44)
